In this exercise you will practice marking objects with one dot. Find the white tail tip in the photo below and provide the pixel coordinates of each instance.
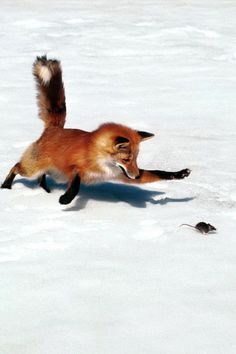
(45, 74)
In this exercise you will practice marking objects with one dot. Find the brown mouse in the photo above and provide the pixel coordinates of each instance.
(203, 227)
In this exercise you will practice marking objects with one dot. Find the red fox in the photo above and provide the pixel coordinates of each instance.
(107, 153)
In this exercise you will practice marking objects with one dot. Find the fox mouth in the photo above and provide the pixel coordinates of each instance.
(125, 172)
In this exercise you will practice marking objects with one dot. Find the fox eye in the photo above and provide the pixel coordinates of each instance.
(125, 160)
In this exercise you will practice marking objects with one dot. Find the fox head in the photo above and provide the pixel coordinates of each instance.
(121, 145)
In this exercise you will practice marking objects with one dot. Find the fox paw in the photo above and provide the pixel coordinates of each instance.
(64, 199)
(6, 185)
(182, 174)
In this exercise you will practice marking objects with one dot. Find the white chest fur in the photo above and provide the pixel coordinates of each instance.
(106, 171)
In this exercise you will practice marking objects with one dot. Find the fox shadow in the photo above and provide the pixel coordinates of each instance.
(111, 192)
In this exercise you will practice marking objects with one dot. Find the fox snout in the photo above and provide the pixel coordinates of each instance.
(130, 172)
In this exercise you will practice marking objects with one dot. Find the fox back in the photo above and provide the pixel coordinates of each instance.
(103, 154)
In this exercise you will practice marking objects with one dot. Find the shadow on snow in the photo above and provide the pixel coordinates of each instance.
(111, 192)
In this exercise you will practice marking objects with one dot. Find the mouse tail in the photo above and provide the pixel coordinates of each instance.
(187, 225)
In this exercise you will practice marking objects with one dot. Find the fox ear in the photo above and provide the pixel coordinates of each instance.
(145, 135)
(121, 143)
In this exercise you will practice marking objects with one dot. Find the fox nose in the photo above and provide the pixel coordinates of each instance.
(133, 175)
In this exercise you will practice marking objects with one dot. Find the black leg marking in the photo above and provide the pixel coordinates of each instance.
(182, 174)
(11, 175)
(8, 181)
(172, 175)
(71, 192)
(43, 183)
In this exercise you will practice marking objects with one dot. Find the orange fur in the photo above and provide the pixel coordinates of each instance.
(107, 153)
(90, 154)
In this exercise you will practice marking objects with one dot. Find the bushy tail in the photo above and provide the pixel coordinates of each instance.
(50, 91)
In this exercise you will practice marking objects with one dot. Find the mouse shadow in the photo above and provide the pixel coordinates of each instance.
(112, 193)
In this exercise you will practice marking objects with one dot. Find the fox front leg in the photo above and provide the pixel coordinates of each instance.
(72, 191)
(158, 174)
(149, 176)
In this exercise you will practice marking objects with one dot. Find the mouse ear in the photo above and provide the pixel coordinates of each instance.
(144, 135)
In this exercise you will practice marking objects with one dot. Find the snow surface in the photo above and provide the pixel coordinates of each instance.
(113, 273)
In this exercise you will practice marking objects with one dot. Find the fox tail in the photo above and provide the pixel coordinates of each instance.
(50, 91)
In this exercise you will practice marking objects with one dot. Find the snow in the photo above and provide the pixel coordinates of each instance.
(113, 273)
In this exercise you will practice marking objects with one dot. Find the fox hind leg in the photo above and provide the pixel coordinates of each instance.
(11, 175)
(28, 166)
(43, 183)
